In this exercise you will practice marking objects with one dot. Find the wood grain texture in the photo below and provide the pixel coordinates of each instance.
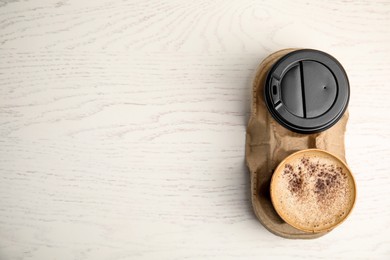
(122, 126)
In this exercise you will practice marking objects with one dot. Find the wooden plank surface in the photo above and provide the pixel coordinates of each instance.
(122, 126)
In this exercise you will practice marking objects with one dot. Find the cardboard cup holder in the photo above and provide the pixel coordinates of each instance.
(299, 101)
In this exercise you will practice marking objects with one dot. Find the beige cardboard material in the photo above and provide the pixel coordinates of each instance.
(268, 143)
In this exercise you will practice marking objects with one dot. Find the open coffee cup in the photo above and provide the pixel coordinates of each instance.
(313, 190)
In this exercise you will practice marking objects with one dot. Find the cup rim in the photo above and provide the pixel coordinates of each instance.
(278, 211)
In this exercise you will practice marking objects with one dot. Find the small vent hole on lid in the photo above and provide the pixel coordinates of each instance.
(274, 90)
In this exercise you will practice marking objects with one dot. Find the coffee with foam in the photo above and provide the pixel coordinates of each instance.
(313, 190)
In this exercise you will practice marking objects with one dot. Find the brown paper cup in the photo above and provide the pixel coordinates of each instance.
(313, 190)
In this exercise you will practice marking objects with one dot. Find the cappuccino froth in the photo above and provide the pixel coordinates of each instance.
(313, 191)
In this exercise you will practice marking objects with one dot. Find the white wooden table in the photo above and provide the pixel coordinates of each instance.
(122, 126)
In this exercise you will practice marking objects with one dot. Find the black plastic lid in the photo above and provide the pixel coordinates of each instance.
(307, 91)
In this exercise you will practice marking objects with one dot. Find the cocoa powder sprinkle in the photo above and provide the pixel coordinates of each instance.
(327, 179)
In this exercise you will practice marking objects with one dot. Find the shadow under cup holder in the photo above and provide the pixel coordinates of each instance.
(299, 101)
